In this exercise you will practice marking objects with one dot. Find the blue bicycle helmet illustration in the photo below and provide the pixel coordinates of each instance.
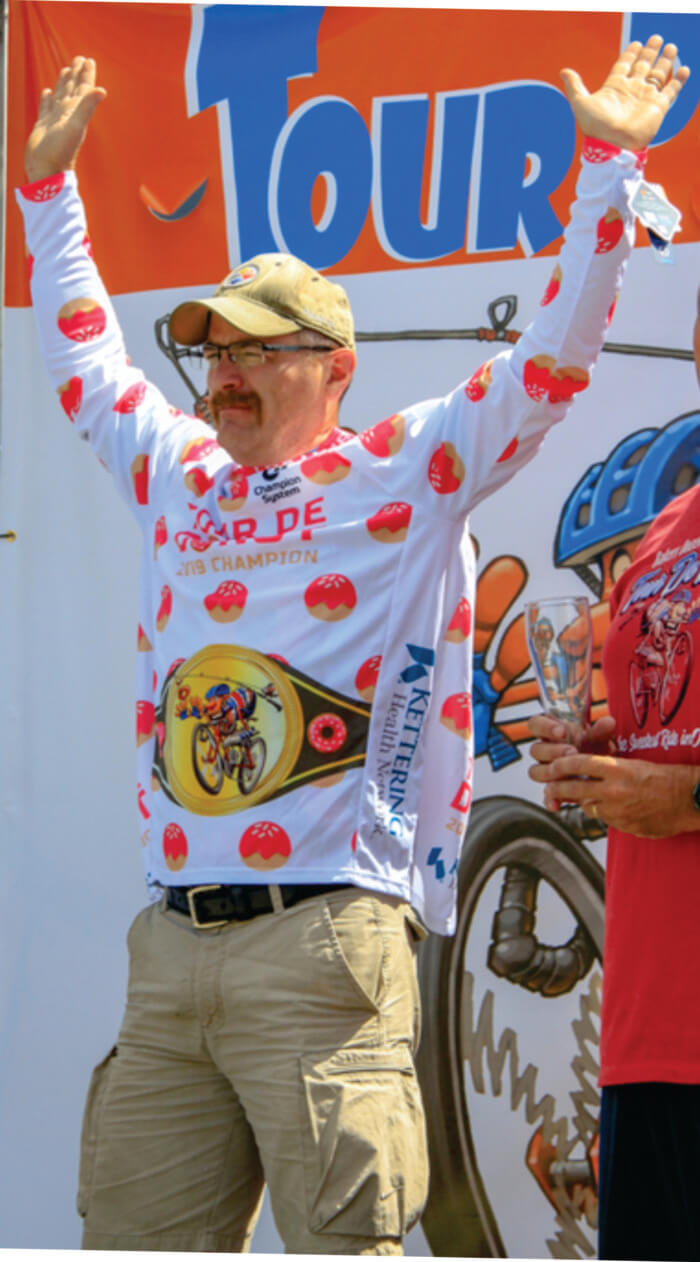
(616, 499)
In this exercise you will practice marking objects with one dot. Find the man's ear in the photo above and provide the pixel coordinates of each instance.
(341, 366)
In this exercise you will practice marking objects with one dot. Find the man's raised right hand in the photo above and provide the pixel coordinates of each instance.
(64, 114)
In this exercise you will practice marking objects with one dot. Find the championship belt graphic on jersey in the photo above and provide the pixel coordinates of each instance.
(236, 727)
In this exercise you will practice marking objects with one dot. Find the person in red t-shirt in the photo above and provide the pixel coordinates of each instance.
(638, 771)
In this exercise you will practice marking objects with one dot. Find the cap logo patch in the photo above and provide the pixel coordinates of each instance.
(243, 276)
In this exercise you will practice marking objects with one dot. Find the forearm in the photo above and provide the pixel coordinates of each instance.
(107, 401)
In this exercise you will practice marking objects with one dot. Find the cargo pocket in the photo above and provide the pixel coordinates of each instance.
(365, 1157)
(90, 1130)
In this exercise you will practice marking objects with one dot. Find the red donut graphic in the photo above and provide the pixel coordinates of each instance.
(456, 715)
(367, 676)
(139, 477)
(30, 264)
(174, 847)
(353, 842)
(198, 480)
(264, 846)
(160, 536)
(70, 395)
(165, 608)
(326, 467)
(145, 719)
(385, 438)
(227, 603)
(131, 397)
(566, 382)
(327, 733)
(460, 623)
(390, 524)
(610, 229)
(234, 492)
(508, 451)
(82, 320)
(598, 150)
(140, 795)
(553, 287)
(479, 383)
(196, 448)
(87, 246)
(44, 190)
(143, 644)
(446, 470)
(537, 376)
(330, 597)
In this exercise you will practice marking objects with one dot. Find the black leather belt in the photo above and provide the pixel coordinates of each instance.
(210, 906)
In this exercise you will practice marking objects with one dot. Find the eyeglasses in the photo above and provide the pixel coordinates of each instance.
(249, 354)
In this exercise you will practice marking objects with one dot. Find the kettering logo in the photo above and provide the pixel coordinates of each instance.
(401, 733)
(422, 658)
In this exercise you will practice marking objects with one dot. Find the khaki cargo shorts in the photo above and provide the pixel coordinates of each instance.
(277, 1050)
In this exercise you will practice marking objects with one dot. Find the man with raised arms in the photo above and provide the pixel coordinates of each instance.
(273, 1010)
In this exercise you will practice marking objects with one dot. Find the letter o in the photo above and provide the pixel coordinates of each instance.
(326, 136)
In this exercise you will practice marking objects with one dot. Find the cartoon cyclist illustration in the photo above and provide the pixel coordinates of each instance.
(224, 740)
(663, 658)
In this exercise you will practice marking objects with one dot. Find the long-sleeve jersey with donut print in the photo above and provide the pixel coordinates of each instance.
(305, 639)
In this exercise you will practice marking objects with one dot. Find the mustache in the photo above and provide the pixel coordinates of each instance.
(229, 397)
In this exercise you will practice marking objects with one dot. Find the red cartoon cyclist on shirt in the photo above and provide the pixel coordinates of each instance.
(660, 623)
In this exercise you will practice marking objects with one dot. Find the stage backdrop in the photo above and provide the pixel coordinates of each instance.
(427, 159)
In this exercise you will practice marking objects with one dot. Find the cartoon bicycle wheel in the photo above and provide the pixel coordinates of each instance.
(515, 853)
(639, 693)
(249, 772)
(206, 759)
(676, 676)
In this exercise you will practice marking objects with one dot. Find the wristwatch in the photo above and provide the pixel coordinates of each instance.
(696, 795)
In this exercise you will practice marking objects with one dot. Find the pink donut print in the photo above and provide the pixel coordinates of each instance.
(196, 448)
(264, 846)
(390, 524)
(460, 623)
(327, 733)
(82, 320)
(129, 400)
(367, 676)
(70, 396)
(326, 467)
(446, 470)
(227, 603)
(174, 847)
(331, 597)
(385, 438)
(44, 190)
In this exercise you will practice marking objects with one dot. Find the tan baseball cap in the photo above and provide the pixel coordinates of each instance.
(269, 295)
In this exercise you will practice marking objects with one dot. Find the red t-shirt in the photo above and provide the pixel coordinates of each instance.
(651, 986)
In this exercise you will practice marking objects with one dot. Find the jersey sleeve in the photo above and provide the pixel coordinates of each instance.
(452, 452)
(125, 418)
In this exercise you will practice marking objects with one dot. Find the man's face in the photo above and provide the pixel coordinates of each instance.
(276, 410)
